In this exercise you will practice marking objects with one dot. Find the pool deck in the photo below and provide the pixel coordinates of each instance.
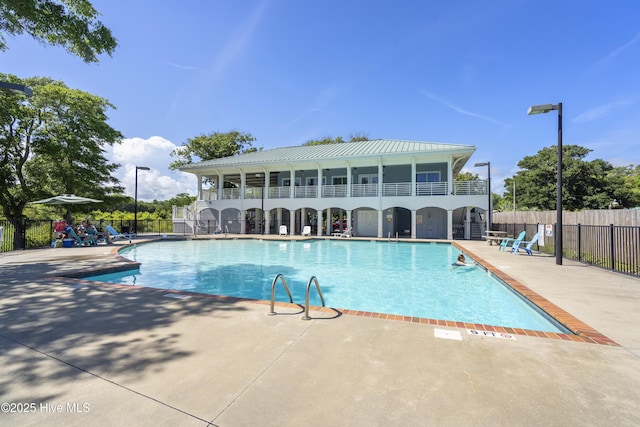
(75, 353)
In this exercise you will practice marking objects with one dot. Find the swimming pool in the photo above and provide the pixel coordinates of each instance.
(405, 278)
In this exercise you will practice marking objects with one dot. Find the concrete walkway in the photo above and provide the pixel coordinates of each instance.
(74, 353)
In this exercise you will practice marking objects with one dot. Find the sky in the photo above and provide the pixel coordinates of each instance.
(290, 71)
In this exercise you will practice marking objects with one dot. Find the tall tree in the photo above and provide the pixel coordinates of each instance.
(212, 146)
(585, 184)
(52, 143)
(72, 24)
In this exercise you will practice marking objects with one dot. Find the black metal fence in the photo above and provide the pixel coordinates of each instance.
(614, 247)
(40, 233)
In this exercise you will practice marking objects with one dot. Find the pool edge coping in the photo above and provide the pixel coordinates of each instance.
(581, 332)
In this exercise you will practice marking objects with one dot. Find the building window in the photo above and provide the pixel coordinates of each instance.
(286, 182)
(428, 177)
(339, 180)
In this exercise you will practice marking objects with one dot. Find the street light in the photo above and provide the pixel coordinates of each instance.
(15, 88)
(488, 165)
(540, 109)
(135, 208)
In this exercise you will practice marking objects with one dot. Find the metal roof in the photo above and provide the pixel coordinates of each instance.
(328, 152)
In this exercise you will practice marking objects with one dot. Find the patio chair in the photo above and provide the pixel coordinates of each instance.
(526, 246)
(115, 235)
(306, 230)
(508, 242)
(346, 233)
(80, 241)
(283, 230)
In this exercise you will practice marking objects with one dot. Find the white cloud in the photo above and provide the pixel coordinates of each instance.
(459, 109)
(159, 182)
(601, 111)
(617, 51)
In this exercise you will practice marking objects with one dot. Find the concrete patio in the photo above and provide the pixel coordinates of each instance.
(75, 353)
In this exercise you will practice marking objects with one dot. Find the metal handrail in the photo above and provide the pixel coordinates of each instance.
(273, 292)
(306, 299)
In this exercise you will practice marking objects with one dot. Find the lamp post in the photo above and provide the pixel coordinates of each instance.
(489, 210)
(15, 88)
(135, 206)
(541, 109)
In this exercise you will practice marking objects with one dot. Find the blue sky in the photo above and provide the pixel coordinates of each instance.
(288, 71)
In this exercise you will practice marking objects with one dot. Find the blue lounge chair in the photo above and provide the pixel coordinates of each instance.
(115, 235)
(525, 245)
(80, 241)
(509, 242)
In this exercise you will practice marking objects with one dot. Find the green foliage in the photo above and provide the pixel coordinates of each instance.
(585, 184)
(329, 140)
(53, 143)
(467, 176)
(71, 24)
(213, 146)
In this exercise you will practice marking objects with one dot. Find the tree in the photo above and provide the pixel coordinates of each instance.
(467, 176)
(212, 146)
(338, 140)
(624, 183)
(52, 143)
(585, 185)
(72, 24)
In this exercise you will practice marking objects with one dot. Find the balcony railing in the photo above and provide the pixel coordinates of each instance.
(230, 193)
(398, 189)
(253, 193)
(364, 190)
(431, 188)
(469, 188)
(279, 192)
(334, 190)
(306, 192)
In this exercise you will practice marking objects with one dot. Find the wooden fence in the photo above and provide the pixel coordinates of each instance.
(589, 217)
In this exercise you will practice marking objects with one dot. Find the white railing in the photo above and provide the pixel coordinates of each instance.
(431, 188)
(459, 188)
(396, 189)
(253, 193)
(230, 193)
(306, 192)
(334, 190)
(210, 194)
(469, 188)
(364, 190)
(279, 192)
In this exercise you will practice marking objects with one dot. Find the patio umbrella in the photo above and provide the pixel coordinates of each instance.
(66, 199)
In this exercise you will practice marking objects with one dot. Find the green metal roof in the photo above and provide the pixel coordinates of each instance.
(328, 152)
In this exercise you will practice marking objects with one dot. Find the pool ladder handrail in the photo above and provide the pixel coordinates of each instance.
(273, 292)
(306, 300)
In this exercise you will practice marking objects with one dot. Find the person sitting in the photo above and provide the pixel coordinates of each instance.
(59, 243)
(96, 235)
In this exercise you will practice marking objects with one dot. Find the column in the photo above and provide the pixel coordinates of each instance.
(467, 223)
(319, 223)
(414, 225)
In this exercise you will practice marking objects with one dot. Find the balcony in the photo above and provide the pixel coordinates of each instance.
(399, 189)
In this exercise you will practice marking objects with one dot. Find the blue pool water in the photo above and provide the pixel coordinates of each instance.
(410, 279)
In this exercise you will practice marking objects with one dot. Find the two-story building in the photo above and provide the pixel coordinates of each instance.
(378, 188)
